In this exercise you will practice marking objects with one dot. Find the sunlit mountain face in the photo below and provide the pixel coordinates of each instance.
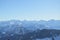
(29, 30)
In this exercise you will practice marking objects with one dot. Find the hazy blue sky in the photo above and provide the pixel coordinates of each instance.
(29, 9)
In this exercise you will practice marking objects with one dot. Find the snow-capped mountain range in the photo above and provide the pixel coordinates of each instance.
(15, 25)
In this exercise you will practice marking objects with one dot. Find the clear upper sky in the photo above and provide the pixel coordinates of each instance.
(29, 9)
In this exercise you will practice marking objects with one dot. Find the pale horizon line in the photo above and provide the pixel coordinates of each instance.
(29, 19)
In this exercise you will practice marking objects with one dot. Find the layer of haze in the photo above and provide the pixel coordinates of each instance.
(29, 9)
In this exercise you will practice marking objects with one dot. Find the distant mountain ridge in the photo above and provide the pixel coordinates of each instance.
(17, 28)
(15, 25)
(25, 23)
